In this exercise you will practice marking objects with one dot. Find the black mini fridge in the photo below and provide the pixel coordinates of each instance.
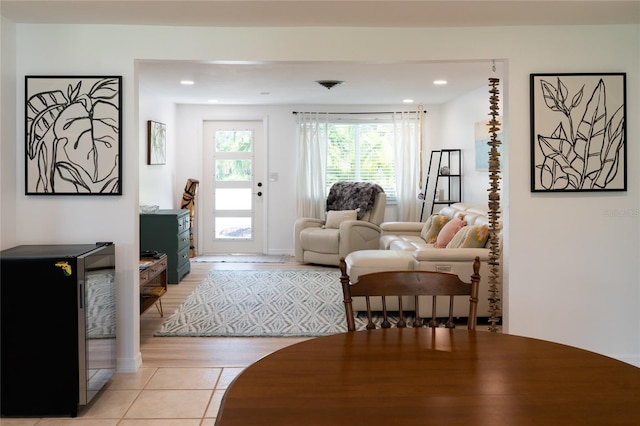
(57, 327)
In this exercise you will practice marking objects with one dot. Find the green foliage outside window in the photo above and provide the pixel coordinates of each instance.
(233, 170)
(362, 152)
(233, 141)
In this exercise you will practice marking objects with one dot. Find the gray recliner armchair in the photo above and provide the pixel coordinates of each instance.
(355, 211)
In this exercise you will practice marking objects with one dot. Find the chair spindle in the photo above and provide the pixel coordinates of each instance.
(401, 322)
(417, 321)
(385, 319)
(434, 320)
(450, 323)
(370, 323)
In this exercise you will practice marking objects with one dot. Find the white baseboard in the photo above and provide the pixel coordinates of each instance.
(129, 365)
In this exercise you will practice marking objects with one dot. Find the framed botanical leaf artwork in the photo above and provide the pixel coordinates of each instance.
(156, 143)
(578, 132)
(73, 135)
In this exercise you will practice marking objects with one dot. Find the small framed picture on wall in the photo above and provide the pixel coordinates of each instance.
(156, 143)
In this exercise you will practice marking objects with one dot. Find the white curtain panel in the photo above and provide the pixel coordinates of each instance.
(407, 144)
(312, 160)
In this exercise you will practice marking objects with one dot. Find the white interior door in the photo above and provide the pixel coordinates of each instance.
(233, 187)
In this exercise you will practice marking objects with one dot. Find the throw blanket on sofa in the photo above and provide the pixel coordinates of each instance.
(353, 195)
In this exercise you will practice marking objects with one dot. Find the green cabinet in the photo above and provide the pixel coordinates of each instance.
(167, 231)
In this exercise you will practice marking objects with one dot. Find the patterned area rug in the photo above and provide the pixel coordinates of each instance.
(241, 258)
(261, 303)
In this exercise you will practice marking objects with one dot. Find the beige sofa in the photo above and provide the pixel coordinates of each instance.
(402, 247)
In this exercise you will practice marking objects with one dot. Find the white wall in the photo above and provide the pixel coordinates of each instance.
(8, 105)
(279, 196)
(571, 266)
(562, 251)
(458, 123)
(84, 50)
(158, 181)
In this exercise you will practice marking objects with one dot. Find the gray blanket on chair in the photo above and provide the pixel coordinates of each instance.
(353, 195)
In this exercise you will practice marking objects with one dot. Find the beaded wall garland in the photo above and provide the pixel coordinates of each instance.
(495, 226)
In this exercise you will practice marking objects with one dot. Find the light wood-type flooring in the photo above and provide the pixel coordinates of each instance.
(206, 351)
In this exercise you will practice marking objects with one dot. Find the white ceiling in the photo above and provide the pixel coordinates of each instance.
(293, 83)
(297, 13)
(289, 83)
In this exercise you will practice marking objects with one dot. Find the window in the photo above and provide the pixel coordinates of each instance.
(362, 152)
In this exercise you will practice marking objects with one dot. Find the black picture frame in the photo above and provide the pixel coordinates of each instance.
(73, 135)
(156, 143)
(578, 132)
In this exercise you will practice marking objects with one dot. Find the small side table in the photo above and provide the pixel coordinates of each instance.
(153, 282)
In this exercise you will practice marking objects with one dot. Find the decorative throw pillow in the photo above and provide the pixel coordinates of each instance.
(448, 232)
(470, 237)
(432, 227)
(336, 217)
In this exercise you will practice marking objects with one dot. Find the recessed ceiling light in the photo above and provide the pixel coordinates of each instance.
(213, 101)
(187, 82)
(440, 82)
(407, 101)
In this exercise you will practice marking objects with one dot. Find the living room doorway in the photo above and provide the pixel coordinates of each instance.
(233, 188)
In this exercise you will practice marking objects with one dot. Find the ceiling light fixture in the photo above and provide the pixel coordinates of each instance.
(187, 82)
(329, 84)
(440, 82)
(408, 101)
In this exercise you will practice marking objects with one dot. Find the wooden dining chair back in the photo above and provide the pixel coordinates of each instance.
(414, 283)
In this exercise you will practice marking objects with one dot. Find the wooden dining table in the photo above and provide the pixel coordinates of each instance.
(437, 376)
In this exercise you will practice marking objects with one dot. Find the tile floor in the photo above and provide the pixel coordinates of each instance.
(164, 396)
